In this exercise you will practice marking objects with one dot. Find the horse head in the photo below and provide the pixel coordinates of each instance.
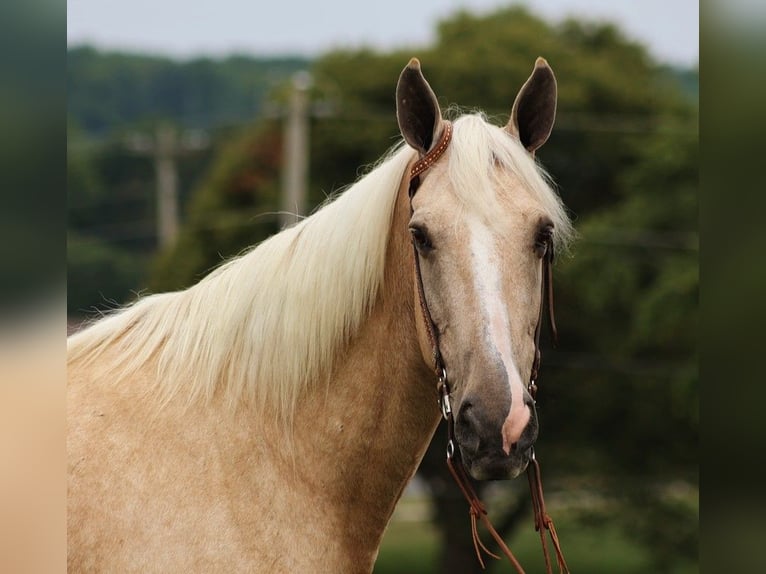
(483, 221)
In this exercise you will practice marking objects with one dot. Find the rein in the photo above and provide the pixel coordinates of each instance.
(543, 522)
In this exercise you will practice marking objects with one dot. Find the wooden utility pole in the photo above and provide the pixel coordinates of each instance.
(296, 152)
(165, 149)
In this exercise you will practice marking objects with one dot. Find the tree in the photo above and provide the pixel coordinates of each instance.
(108, 90)
(636, 278)
(234, 207)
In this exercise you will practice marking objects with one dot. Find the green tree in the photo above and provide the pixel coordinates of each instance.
(99, 272)
(108, 90)
(234, 207)
(111, 189)
(635, 276)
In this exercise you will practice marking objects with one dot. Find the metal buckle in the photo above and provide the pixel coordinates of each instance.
(444, 402)
(445, 406)
(450, 449)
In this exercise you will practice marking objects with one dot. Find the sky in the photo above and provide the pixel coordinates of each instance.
(188, 28)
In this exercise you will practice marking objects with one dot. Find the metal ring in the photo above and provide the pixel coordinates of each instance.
(443, 376)
(450, 449)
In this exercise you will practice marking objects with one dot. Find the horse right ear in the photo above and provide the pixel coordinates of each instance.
(534, 109)
(417, 110)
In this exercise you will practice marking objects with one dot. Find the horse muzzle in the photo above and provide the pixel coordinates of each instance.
(480, 440)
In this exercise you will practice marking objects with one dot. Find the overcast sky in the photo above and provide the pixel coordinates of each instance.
(183, 28)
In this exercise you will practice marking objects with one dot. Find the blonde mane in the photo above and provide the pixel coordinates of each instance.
(266, 324)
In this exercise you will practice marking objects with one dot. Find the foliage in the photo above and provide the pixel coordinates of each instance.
(98, 275)
(228, 212)
(114, 97)
(107, 90)
(635, 276)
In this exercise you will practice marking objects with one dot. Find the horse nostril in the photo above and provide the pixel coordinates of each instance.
(466, 417)
(527, 438)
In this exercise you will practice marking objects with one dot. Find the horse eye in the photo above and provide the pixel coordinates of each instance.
(421, 239)
(543, 240)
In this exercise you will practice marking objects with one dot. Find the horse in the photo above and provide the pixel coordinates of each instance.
(268, 418)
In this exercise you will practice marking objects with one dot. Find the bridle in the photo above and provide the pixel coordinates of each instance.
(543, 522)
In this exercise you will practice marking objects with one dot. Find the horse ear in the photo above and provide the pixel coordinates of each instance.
(417, 110)
(534, 109)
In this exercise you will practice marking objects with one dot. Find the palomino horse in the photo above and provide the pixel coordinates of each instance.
(268, 418)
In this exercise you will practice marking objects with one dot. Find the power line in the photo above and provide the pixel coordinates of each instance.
(676, 240)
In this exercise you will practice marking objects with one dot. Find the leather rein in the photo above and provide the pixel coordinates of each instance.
(543, 522)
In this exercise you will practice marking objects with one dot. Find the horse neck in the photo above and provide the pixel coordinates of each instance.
(364, 438)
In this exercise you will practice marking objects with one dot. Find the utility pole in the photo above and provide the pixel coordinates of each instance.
(296, 143)
(165, 149)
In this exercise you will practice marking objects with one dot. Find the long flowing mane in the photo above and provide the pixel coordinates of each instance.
(267, 323)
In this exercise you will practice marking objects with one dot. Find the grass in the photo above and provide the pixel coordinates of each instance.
(411, 546)
(408, 548)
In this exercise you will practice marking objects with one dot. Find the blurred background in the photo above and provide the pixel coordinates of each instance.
(191, 129)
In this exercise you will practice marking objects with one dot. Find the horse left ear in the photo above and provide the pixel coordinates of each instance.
(534, 109)
(417, 110)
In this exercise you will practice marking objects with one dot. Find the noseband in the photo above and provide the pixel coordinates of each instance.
(543, 522)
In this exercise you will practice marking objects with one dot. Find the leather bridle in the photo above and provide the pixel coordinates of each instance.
(543, 522)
